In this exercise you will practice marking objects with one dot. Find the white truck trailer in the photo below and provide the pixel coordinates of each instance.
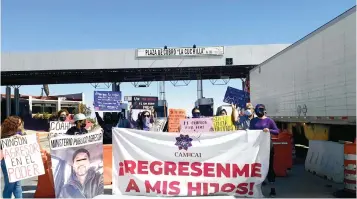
(310, 87)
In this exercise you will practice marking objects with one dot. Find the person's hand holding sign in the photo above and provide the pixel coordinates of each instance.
(266, 130)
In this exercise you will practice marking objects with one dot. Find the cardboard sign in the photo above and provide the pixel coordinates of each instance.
(159, 124)
(196, 125)
(223, 123)
(108, 101)
(236, 96)
(22, 156)
(175, 115)
(176, 164)
(144, 102)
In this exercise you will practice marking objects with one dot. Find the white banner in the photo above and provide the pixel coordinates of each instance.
(196, 164)
(199, 51)
(22, 156)
(69, 141)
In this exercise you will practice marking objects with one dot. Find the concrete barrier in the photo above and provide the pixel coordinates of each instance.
(326, 159)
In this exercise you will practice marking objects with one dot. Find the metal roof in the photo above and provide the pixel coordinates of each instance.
(26, 68)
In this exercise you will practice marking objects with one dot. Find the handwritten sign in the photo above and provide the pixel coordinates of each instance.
(223, 123)
(108, 101)
(143, 102)
(22, 157)
(236, 96)
(57, 127)
(196, 125)
(175, 115)
(159, 124)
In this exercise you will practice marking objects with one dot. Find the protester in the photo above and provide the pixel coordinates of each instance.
(123, 122)
(244, 120)
(223, 112)
(145, 121)
(196, 113)
(62, 115)
(137, 124)
(80, 122)
(107, 124)
(84, 181)
(262, 122)
(12, 126)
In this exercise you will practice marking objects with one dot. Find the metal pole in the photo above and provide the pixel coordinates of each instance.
(162, 95)
(115, 86)
(8, 101)
(17, 101)
(243, 85)
(199, 89)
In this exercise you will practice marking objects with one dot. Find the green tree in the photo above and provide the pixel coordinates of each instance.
(82, 108)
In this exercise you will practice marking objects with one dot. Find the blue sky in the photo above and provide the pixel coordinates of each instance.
(43, 25)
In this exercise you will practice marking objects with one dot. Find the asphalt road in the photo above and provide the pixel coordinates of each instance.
(298, 184)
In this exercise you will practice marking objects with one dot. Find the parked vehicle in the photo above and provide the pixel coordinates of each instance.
(309, 88)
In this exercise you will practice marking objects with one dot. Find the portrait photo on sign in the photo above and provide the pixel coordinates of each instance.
(78, 171)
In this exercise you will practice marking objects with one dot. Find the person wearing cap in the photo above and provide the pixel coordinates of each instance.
(196, 113)
(80, 122)
(262, 122)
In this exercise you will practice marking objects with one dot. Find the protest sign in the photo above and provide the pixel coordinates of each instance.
(177, 164)
(77, 165)
(108, 101)
(159, 124)
(236, 96)
(223, 123)
(57, 127)
(144, 102)
(196, 125)
(22, 156)
(175, 115)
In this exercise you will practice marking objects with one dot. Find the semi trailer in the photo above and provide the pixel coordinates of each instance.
(309, 87)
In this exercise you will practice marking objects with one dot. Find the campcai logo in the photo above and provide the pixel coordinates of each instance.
(184, 142)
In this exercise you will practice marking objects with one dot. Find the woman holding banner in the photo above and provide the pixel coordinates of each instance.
(262, 122)
(12, 126)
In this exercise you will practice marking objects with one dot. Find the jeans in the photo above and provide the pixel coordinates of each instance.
(10, 187)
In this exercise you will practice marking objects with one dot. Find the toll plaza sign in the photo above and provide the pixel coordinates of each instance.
(198, 51)
(144, 102)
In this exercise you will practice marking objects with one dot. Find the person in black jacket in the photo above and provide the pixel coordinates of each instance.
(107, 124)
(81, 121)
(85, 181)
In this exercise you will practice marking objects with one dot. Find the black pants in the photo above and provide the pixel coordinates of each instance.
(271, 172)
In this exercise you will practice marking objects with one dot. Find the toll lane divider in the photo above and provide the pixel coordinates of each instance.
(326, 159)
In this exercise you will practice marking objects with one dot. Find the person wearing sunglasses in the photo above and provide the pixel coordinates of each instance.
(145, 121)
(262, 122)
